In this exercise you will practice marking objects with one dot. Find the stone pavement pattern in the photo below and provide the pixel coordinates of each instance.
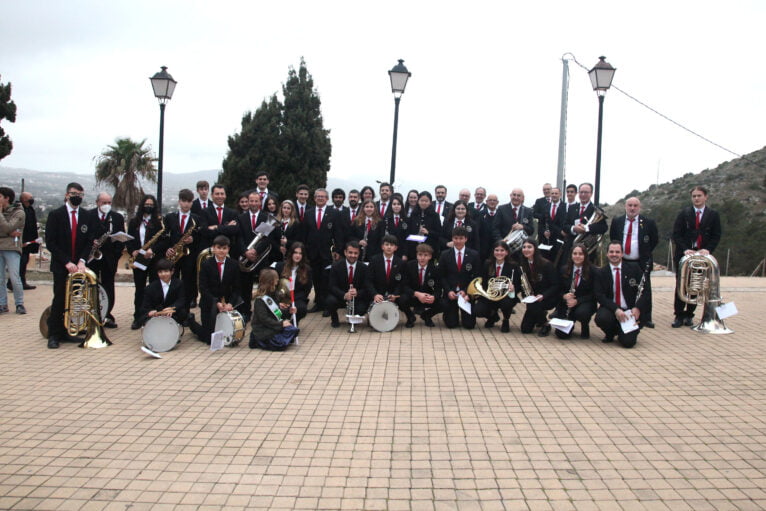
(415, 419)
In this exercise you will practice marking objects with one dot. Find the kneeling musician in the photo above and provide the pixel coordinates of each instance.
(386, 269)
(500, 280)
(422, 290)
(350, 284)
(164, 296)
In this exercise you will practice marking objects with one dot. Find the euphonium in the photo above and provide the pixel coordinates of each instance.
(246, 264)
(497, 288)
(81, 309)
(590, 240)
(698, 283)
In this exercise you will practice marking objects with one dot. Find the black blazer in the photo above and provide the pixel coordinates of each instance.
(476, 213)
(212, 288)
(399, 232)
(504, 220)
(432, 283)
(245, 233)
(154, 301)
(544, 281)
(302, 291)
(362, 281)
(319, 241)
(210, 217)
(585, 290)
(388, 207)
(292, 233)
(431, 221)
(356, 232)
(154, 227)
(630, 277)
(685, 233)
(446, 208)
(648, 236)
(197, 207)
(111, 249)
(58, 238)
(394, 284)
(452, 280)
(555, 225)
(30, 225)
(474, 235)
(486, 238)
(573, 213)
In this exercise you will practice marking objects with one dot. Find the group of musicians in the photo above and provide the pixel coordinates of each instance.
(418, 251)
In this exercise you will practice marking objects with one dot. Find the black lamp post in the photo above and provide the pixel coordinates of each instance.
(601, 78)
(399, 76)
(163, 85)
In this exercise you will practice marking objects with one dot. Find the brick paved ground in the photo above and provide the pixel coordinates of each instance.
(416, 419)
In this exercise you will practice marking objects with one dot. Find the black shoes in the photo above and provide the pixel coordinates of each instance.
(334, 320)
(53, 342)
(544, 331)
(649, 324)
(135, 325)
(585, 332)
(325, 314)
(506, 327)
(20, 309)
(678, 322)
(109, 323)
(689, 321)
(429, 322)
(489, 324)
(608, 339)
(410, 321)
(315, 308)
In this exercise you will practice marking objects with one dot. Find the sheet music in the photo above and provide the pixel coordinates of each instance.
(121, 236)
(629, 324)
(564, 325)
(464, 304)
(216, 340)
(726, 310)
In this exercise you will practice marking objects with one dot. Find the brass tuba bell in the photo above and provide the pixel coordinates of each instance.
(698, 284)
(81, 309)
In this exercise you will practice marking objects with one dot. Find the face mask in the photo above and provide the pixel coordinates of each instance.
(75, 200)
(31, 201)
(105, 208)
(148, 210)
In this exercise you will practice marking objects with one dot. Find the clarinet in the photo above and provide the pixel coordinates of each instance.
(572, 291)
(642, 284)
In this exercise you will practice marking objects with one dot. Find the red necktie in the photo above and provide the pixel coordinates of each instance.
(396, 221)
(353, 214)
(220, 270)
(491, 213)
(183, 223)
(459, 261)
(319, 218)
(382, 209)
(577, 278)
(103, 217)
(301, 213)
(617, 288)
(350, 275)
(553, 210)
(515, 215)
(582, 213)
(220, 215)
(284, 227)
(368, 225)
(629, 237)
(263, 197)
(697, 227)
(388, 269)
(252, 220)
(499, 269)
(459, 223)
(421, 275)
(74, 234)
(439, 209)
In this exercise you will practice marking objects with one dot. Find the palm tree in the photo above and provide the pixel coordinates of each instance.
(122, 166)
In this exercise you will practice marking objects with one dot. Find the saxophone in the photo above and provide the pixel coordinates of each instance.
(181, 249)
(148, 244)
(95, 252)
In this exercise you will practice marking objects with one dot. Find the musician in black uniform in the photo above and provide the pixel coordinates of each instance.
(396, 224)
(301, 202)
(296, 269)
(638, 235)
(344, 274)
(479, 206)
(384, 205)
(145, 226)
(422, 285)
(324, 237)
(458, 217)
(550, 226)
(218, 288)
(424, 222)
(441, 204)
(203, 203)
(220, 220)
(487, 226)
(458, 266)
(248, 222)
(514, 216)
(262, 182)
(386, 271)
(616, 292)
(499, 265)
(542, 278)
(578, 299)
(165, 295)
(542, 203)
(68, 237)
(288, 230)
(697, 228)
(106, 221)
(367, 229)
(579, 217)
(183, 224)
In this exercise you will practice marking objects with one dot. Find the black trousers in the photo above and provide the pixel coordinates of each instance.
(454, 316)
(56, 318)
(246, 281)
(536, 314)
(332, 304)
(484, 308)
(427, 311)
(606, 321)
(140, 278)
(105, 270)
(321, 280)
(186, 270)
(581, 312)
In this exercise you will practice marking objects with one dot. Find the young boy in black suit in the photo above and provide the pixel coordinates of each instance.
(458, 266)
(422, 285)
(164, 296)
(387, 269)
(218, 287)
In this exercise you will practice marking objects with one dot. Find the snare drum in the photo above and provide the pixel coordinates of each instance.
(232, 324)
(383, 316)
(161, 334)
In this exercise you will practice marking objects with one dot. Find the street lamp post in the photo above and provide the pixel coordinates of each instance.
(163, 85)
(601, 78)
(399, 76)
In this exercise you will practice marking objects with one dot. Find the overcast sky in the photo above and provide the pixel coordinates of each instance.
(482, 106)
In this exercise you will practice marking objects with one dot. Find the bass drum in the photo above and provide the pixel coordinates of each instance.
(161, 334)
(103, 306)
(383, 316)
(232, 324)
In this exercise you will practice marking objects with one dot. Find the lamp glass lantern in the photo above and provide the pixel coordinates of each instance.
(163, 85)
(399, 76)
(601, 76)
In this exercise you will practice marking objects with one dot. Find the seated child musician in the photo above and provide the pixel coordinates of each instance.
(272, 328)
(164, 296)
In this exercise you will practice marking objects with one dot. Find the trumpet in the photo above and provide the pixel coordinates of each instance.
(351, 316)
(526, 287)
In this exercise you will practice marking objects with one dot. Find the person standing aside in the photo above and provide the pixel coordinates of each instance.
(11, 225)
(29, 244)
(697, 229)
(639, 237)
(579, 216)
(104, 220)
(68, 238)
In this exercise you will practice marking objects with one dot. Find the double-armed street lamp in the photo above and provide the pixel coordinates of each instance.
(163, 85)
(399, 76)
(601, 78)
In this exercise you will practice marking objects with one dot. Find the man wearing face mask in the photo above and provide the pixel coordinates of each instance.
(104, 221)
(68, 236)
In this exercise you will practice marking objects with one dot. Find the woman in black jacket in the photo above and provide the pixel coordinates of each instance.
(296, 269)
(424, 222)
(144, 226)
(396, 224)
(541, 277)
(458, 216)
(499, 264)
(578, 300)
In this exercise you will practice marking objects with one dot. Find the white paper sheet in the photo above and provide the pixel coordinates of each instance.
(726, 310)
(545, 247)
(529, 299)
(464, 304)
(138, 265)
(629, 324)
(150, 352)
(121, 236)
(564, 325)
(216, 340)
(417, 237)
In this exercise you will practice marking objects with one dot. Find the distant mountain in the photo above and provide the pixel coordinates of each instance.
(737, 191)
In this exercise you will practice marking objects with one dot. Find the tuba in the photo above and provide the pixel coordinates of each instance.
(497, 288)
(698, 283)
(588, 239)
(261, 252)
(203, 256)
(81, 306)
